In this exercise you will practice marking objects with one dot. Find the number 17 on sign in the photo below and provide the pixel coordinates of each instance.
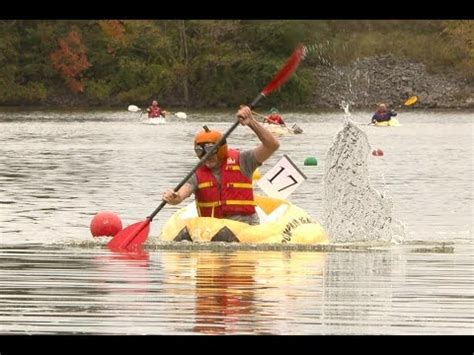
(281, 180)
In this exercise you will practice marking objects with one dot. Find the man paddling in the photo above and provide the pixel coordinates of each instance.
(223, 184)
(154, 110)
(275, 118)
(382, 114)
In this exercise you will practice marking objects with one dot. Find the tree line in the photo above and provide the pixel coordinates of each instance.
(204, 63)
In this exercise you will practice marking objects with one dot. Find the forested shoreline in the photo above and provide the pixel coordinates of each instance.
(223, 63)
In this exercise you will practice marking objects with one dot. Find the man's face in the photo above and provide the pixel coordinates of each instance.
(201, 149)
(212, 162)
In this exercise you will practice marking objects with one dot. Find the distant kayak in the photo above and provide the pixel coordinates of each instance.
(392, 123)
(280, 130)
(154, 120)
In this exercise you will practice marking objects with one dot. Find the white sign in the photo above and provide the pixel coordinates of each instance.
(281, 180)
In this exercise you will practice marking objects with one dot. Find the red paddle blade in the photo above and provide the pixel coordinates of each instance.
(130, 237)
(286, 71)
(136, 243)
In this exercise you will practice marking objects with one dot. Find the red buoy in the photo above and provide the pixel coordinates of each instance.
(377, 152)
(105, 223)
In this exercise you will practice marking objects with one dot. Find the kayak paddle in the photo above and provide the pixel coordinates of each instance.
(134, 108)
(134, 235)
(179, 114)
(410, 101)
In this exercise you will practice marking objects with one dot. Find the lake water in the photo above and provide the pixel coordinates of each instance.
(57, 169)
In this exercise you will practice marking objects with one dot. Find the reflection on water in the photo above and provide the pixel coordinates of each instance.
(89, 291)
(224, 290)
(251, 292)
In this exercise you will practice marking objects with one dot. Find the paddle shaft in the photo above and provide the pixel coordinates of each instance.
(259, 114)
(400, 106)
(204, 158)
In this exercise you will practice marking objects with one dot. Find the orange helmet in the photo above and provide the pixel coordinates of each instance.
(209, 136)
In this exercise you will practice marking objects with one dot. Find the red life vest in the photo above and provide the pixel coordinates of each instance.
(275, 119)
(155, 111)
(235, 195)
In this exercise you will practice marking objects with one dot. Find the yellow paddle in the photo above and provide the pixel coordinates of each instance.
(410, 101)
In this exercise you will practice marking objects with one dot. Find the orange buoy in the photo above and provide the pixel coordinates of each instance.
(105, 224)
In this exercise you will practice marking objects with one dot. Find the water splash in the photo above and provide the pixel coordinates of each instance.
(353, 210)
(319, 52)
(345, 105)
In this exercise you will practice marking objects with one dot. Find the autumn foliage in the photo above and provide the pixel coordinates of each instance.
(70, 60)
(114, 32)
(213, 63)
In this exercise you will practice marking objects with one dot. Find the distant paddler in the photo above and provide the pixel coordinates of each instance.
(383, 114)
(275, 121)
(274, 117)
(155, 111)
